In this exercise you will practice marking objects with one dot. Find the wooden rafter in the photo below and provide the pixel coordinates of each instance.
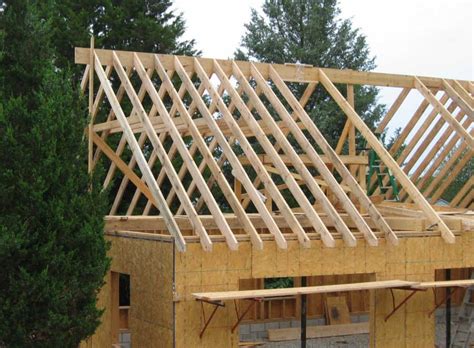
(155, 190)
(196, 127)
(387, 159)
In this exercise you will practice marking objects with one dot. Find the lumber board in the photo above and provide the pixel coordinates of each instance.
(336, 310)
(150, 180)
(444, 113)
(158, 147)
(327, 149)
(323, 289)
(297, 163)
(319, 331)
(288, 72)
(464, 283)
(183, 151)
(230, 155)
(387, 159)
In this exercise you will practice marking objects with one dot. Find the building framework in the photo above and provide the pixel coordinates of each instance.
(219, 174)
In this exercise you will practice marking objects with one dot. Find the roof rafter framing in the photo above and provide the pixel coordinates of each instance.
(196, 138)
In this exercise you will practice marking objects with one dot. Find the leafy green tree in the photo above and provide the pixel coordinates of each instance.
(136, 25)
(311, 32)
(52, 249)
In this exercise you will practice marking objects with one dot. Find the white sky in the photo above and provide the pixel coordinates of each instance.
(416, 37)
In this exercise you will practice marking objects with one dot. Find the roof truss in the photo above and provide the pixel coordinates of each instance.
(197, 137)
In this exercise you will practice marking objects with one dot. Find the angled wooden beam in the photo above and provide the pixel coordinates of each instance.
(336, 161)
(414, 141)
(124, 182)
(282, 169)
(409, 127)
(85, 79)
(443, 142)
(303, 101)
(150, 180)
(462, 192)
(256, 164)
(412, 190)
(130, 174)
(121, 146)
(239, 171)
(136, 196)
(162, 155)
(440, 157)
(423, 146)
(467, 202)
(123, 142)
(464, 104)
(444, 113)
(450, 170)
(205, 152)
(464, 91)
(393, 110)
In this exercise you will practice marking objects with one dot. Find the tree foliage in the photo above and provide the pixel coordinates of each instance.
(312, 32)
(52, 249)
(136, 25)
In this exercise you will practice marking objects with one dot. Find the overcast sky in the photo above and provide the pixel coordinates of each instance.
(419, 37)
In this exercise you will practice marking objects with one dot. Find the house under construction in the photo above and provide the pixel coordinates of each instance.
(221, 180)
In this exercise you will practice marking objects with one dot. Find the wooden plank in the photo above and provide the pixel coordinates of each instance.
(283, 171)
(387, 159)
(444, 113)
(303, 101)
(239, 171)
(440, 157)
(130, 174)
(428, 139)
(400, 219)
(182, 149)
(346, 159)
(150, 180)
(162, 155)
(90, 158)
(352, 130)
(259, 168)
(393, 110)
(462, 192)
(322, 331)
(464, 283)
(208, 157)
(464, 104)
(336, 310)
(308, 290)
(463, 89)
(340, 167)
(288, 72)
(121, 146)
(451, 175)
(414, 141)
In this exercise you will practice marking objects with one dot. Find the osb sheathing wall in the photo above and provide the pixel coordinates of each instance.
(102, 337)
(150, 265)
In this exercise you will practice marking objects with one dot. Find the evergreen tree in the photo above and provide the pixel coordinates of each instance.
(311, 32)
(135, 25)
(52, 250)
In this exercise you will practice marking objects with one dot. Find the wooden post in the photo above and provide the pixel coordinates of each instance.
(448, 309)
(303, 315)
(91, 104)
